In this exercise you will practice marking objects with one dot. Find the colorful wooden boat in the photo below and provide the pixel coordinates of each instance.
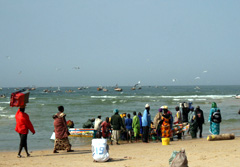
(81, 132)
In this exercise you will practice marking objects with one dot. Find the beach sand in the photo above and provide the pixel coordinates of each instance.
(200, 153)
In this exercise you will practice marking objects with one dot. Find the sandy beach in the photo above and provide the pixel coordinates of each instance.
(200, 153)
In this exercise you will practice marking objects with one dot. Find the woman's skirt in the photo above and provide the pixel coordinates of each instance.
(166, 131)
(214, 128)
(62, 144)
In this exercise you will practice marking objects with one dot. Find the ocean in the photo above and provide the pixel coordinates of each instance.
(80, 105)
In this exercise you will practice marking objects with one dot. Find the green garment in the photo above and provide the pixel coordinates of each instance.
(214, 105)
(136, 125)
(116, 122)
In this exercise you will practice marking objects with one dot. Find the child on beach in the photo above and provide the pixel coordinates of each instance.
(128, 123)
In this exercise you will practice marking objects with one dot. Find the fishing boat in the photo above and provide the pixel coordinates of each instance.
(99, 88)
(3, 96)
(117, 88)
(81, 132)
(237, 96)
(105, 90)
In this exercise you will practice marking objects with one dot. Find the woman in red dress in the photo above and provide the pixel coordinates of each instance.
(23, 125)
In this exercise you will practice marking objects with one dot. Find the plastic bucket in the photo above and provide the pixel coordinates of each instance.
(165, 141)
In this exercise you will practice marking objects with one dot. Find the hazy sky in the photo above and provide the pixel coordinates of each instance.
(157, 42)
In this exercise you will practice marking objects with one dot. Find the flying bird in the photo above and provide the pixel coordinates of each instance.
(20, 72)
(174, 80)
(76, 68)
(197, 78)
(205, 71)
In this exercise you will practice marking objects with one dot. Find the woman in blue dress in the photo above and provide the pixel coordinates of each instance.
(214, 119)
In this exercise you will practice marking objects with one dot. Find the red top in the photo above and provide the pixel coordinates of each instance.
(106, 129)
(23, 123)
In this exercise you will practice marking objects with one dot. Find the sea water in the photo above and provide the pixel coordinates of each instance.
(80, 105)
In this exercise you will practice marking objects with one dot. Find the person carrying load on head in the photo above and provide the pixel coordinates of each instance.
(23, 125)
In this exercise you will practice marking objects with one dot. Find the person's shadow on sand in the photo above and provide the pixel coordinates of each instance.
(66, 153)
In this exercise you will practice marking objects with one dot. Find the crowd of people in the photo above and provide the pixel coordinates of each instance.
(187, 119)
(122, 126)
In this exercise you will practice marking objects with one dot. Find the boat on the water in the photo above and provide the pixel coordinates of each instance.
(81, 132)
(3, 96)
(118, 89)
(237, 96)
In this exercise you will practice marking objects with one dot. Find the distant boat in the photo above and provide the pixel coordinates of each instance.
(3, 96)
(58, 90)
(118, 89)
(237, 96)
(105, 90)
(69, 91)
(197, 88)
(137, 86)
(47, 91)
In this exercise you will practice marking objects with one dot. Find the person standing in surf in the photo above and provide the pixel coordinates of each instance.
(200, 120)
(215, 119)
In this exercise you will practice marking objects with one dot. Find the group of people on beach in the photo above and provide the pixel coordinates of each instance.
(123, 126)
(188, 120)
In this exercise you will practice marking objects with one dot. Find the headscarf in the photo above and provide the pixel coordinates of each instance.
(214, 105)
(115, 111)
(160, 109)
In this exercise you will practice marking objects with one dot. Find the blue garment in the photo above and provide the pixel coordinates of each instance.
(128, 123)
(214, 127)
(146, 119)
(140, 119)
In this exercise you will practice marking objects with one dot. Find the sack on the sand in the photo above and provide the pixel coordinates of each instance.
(221, 137)
(178, 159)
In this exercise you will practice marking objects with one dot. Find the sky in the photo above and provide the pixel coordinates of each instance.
(104, 43)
